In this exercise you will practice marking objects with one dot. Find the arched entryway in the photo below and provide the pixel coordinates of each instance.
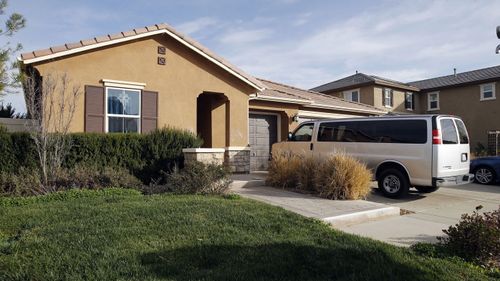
(212, 119)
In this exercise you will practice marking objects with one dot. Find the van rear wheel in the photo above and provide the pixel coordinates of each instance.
(393, 183)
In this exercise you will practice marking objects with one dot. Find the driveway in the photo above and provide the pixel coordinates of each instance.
(429, 213)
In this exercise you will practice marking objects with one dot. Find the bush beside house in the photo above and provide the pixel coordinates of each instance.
(95, 160)
(337, 177)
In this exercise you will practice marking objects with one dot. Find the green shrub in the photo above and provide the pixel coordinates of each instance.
(337, 177)
(342, 177)
(195, 178)
(94, 177)
(144, 155)
(475, 238)
(25, 182)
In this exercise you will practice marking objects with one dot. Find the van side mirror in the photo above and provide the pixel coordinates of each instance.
(290, 136)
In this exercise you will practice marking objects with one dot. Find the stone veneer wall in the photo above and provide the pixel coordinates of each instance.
(204, 155)
(238, 159)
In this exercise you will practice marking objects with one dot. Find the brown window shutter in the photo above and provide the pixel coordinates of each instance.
(94, 109)
(149, 111)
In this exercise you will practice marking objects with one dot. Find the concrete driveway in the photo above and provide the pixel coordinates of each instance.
(430, 213)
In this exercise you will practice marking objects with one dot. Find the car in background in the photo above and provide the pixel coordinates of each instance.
(486, 169)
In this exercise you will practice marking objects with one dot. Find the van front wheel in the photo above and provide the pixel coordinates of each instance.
(393, 183)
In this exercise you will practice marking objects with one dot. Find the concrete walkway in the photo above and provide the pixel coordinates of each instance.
(337, 213)
(430, 213)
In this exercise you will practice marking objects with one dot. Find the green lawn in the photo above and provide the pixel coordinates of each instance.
(128, 236)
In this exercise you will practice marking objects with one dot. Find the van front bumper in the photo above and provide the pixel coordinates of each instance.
(453, 181)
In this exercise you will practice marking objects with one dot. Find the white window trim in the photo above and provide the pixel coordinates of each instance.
(494, 97)
(411, 101)
(429, 101)
(391, 97)
(349, 94)
(123, 84)
(107, 115)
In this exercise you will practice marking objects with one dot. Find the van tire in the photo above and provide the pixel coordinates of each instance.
(393, 183)
(426, 189)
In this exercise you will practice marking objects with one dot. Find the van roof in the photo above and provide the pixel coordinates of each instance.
(409, 116)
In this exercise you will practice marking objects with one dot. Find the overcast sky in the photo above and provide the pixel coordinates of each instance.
(304, 43)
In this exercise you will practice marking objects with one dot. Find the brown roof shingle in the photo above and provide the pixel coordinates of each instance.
(274, 89)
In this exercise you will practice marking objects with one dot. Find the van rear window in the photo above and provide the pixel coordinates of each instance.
(380, 131)
(462, 132)
(449, 131)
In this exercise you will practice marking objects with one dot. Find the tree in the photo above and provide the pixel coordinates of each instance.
(13, 24)
(7, 111)
(51, 104)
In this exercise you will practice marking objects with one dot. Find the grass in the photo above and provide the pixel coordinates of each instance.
(128, 236)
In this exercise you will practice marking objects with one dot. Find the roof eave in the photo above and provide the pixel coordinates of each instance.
(343, 108)
(138, 36)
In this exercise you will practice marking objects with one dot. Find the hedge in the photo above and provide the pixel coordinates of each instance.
(144, 155)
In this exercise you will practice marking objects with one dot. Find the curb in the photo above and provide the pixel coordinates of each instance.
(363, 216)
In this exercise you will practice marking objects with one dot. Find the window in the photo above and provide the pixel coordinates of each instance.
(352, 95)
(303, 133)
(462, 132)
(388, 97)
(387, 131)
(409, 101)
(449, 131)
(488, 92)
(433, 99)
(123, 110)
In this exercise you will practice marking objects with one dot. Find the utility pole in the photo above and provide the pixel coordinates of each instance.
(498, 35)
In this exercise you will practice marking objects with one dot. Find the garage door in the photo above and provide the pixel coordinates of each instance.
(263, 131)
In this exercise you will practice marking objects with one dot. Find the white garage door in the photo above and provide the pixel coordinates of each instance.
(263, 132)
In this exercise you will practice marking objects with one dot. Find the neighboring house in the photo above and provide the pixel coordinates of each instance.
(152, 77)
(383, 93)
(470, 95)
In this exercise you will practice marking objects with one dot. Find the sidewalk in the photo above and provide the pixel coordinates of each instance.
(337, 213)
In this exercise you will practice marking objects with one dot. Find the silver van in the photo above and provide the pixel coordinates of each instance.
(421, 151)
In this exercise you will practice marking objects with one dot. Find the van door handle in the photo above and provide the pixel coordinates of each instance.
(311, 146)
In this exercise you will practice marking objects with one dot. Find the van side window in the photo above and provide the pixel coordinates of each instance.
(303, 133)
(449, 132)
(462, 132)
(337, 131)
(389, 131)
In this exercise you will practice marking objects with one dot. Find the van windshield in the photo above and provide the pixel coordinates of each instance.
(303, 133)
(449, 131)
(462, 132)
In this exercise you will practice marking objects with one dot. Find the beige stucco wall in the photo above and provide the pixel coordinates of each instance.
(185, 76)
(366, 94)
(372, 95)
(398, 100)
(479, 116)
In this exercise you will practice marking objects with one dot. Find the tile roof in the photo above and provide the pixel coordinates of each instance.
(82, 45)
(313, 99)
(473, 76)
(361, 79)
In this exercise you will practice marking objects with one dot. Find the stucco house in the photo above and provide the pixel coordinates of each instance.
(470, 95)
(383, 93)
(151, 77)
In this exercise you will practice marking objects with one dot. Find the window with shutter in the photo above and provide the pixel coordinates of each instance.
(94, 109)
(149, 117)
